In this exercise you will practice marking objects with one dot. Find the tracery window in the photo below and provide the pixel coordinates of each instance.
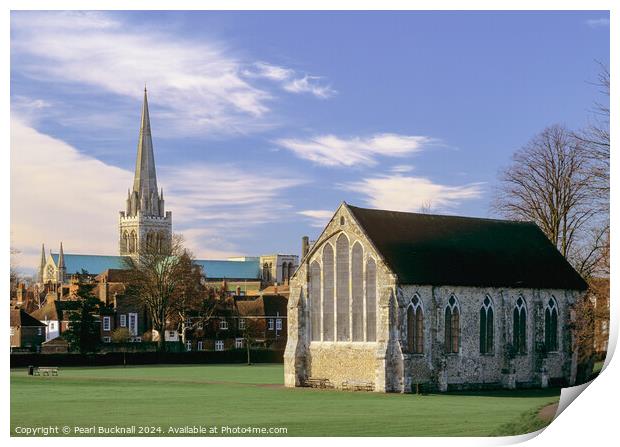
(486, 326)
(551, 325)
(452, 326)
(519, 320)
(415, 326)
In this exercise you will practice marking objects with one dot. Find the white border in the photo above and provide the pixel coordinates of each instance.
(590, 420)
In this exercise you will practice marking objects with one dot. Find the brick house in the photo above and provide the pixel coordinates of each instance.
(26, 331)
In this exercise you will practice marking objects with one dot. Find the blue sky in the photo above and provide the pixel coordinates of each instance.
(264, 122)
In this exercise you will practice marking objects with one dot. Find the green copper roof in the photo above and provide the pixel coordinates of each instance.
(212, 269)
(93, 264)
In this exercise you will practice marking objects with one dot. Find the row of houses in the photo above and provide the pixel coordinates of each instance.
(41, 314)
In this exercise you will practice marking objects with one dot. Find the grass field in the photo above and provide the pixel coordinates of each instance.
(236, 395)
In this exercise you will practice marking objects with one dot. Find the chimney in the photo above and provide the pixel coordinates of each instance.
(304, 246)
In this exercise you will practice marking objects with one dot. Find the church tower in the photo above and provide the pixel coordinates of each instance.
(144, 223)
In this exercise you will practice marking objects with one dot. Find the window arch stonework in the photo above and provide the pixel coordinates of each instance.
(452, 326)
(371, 300)
(486, 326)
(315, 301)
(519, 326)
(551, 325)
(342, 288)
(357, 292)
(328, 293)
(415, 326)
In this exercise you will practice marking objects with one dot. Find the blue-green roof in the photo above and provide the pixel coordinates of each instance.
(229, 269)
(95, 264)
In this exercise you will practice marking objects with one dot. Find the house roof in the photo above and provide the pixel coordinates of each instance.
(53, 310)
(450, 250)
(266, 305)
(19, 317)
(229, 269)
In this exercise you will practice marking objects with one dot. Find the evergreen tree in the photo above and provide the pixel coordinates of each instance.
(83, 331)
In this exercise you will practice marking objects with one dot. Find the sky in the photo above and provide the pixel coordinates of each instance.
(264, 122)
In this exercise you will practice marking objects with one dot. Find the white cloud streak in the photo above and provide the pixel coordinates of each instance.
(406, 193)
(598, 23)
(319, 218)
(290, 81)
(196, 86)
(333, 151)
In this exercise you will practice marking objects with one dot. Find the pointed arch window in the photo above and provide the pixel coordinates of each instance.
(357, 292)
(342, 288)
(415, 326)
(519, 324)
(315, 301)
(371, 300)
(486, 326)
(551, 325)
(328, 293)
(452, 326)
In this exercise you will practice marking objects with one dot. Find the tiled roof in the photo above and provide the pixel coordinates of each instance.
(464, 251)
(19, 317)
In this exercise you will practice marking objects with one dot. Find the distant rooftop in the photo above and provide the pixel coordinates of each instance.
(213, 269)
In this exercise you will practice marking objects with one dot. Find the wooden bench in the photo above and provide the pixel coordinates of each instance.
(350, 385)
(318, 383)
(45, 371)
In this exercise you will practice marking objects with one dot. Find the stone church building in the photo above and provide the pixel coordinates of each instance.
(392, 301)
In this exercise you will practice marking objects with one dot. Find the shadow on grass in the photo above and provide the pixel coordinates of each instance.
(527, 422)
(520, 393)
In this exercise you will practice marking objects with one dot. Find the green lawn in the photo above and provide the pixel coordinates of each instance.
(236, 395)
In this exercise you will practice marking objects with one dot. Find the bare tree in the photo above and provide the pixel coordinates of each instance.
(14, 274)
(253, 329)
(549, 183)
(195, 303)
(157, 277)
(426, 207)
(595, 138)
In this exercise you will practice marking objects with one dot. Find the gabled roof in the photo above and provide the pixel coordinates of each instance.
(266, 305)
(229, 269)
(465, 251)
(19, 317)
(53, 310)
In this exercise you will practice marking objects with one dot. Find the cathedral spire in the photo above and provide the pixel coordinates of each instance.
(61, 266)
(145, 180)
(42, 263)
(61, 258)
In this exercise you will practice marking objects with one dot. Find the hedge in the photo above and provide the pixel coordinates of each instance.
(147, 358)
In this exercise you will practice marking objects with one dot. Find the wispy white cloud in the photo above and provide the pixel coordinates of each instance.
(406, 193)
(57, 193)
(399, 169)
(195, 85)
(330, 150)
(598, 23)
(290, 81)
(319, 218)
